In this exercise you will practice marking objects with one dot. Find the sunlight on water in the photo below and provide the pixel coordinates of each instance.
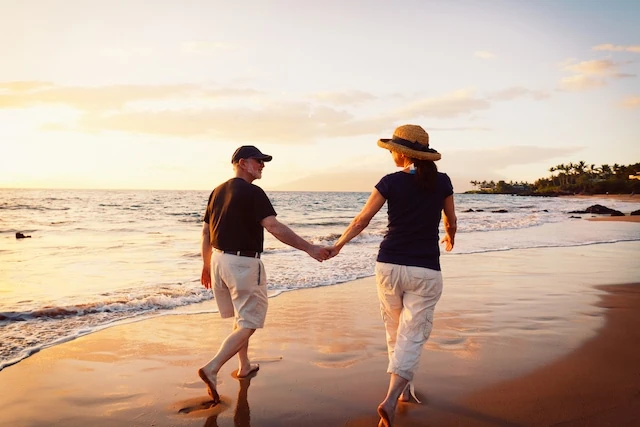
(96, 257)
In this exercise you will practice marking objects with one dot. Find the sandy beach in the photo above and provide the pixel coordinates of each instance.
(635, 218)
(522, 338)
(620, 197)
(631, 198)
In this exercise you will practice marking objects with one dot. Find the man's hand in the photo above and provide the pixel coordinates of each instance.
(449, 240)
(319, 253)
(205, 277)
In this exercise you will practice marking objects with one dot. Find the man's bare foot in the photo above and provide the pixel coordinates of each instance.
(386, 416)
(211, 385)
(246, 371)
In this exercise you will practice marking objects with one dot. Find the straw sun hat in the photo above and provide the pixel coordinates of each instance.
(412, 141)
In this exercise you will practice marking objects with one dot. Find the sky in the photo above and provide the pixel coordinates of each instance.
(157, 95)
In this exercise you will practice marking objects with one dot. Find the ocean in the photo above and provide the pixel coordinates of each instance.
(97, 258)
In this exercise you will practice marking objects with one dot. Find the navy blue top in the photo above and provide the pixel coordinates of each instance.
(414, 218)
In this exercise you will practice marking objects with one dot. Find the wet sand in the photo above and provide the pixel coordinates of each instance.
(635, 218)
(514, 344)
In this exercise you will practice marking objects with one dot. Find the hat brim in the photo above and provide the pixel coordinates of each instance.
(264, 158)
(414, 154)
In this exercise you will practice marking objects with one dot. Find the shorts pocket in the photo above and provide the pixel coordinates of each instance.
(428, 325)
(384, 279)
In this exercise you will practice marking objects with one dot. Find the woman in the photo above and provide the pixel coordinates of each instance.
(408, 264)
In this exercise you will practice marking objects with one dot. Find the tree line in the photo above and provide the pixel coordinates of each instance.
(572, 178)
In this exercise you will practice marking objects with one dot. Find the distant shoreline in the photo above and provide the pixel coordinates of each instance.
(618, 197)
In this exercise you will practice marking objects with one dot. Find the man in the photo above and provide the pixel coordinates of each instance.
(232, 240)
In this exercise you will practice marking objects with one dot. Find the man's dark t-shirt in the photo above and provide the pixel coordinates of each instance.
(234, 212)
(414, 218)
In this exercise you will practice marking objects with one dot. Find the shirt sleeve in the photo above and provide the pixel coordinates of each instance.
(207, 213)
(263, 206)
(383, 187)
(448, 186)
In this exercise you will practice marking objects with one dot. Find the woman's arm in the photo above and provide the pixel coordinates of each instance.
(450, 223)
(361, 221)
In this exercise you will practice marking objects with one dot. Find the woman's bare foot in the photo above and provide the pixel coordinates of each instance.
(245, 371)
(386, 415)
(408, 392)
(210, 381)
(405, 396)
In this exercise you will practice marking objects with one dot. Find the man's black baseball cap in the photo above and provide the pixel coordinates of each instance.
(249, 152)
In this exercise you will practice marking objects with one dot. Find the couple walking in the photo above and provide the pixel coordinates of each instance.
(407, 267)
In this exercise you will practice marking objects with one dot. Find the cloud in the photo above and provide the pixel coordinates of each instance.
(287, 123)
(459, 129)
(23, 86)
(203, 48)
(129, 51)
(484, 54)
(617, 48)
(192, 110)
(591, 74)
(581, 82)
(352, 97)
(453, 104)
(601, 67)
(631, 102)
(518, 92)
(101, 98)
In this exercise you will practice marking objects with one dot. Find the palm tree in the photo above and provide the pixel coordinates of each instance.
(552, 169)
(616, 169)
(562, 176)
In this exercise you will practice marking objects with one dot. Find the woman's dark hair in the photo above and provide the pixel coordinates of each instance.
(426, 173)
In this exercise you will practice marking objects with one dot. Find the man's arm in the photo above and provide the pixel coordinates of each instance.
(289, 237)
(205, 277)
(450, 223)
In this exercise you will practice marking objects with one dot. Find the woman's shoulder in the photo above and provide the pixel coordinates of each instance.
(442, 176)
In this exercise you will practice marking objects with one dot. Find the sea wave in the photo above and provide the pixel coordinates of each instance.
(539, 246)
(162, 300)
(14, 207)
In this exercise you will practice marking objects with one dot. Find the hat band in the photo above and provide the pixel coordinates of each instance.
(413, 145)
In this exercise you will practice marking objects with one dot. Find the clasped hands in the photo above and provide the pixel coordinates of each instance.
(322, 253)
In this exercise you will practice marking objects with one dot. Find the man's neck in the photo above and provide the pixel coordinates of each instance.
(243, 175)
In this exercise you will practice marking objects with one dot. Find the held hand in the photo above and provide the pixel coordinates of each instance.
(333, 251)
(205, 278)
(319, 253)
(449, 242)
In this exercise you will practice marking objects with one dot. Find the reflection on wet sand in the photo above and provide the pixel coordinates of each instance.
(500, 318)
(242, 415)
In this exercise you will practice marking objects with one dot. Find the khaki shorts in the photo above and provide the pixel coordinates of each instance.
(240, 286)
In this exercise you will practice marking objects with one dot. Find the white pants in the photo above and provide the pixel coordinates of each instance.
(408, 297)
